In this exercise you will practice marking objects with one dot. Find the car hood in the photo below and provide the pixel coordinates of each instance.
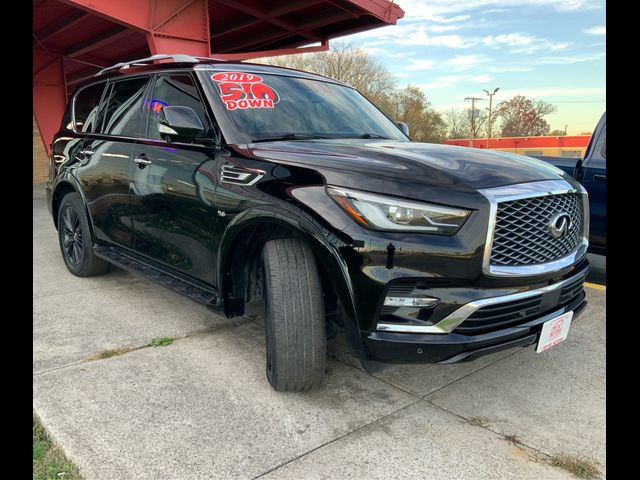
(444, 166)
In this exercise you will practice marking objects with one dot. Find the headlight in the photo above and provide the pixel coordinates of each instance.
(380, 212)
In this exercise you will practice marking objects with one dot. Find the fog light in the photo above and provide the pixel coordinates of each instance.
(410, 301)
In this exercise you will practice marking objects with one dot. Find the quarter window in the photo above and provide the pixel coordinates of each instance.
(86, 107)
(124, 114)
(173, 90)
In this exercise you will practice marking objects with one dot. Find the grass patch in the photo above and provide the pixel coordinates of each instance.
(579, 467)
(478, 421)
(49, 462)
(108, 354)
(161, 342)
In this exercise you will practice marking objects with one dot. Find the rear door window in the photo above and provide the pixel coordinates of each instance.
(124, 115)
(86, 106)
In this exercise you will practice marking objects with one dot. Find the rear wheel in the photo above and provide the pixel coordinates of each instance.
(75, 240)
(294, 323)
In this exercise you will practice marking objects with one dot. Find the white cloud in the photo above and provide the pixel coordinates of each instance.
(522, 43)
(509, 68)
(596, 30)
(434, 9)
(509, 39)
(467, 60)
(552, 92)
(451, 41)
(374, 50)
(400, 74)
(445, 81)
(569, 59)
(494, 10)
(418, 36)
(443, 28)
(422, 64)
(457, 18)
(483, 78)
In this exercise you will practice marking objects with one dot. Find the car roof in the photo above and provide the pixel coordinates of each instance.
(211, 65)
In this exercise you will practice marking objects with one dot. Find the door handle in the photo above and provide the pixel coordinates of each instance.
(142, 160)
(600, 178)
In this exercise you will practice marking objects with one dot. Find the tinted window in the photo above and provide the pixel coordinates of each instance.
(173, 90)
(86, 107)
(267, 106)
(124, 113)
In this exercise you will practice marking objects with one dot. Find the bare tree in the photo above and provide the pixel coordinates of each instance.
(459, 122)
(343, 62)
(356, 67)
(523, 117)
(410, 105)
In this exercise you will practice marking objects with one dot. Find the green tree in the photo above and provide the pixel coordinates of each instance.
(557, 133)
(522, 117)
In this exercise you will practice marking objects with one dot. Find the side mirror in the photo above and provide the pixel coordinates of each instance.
(404, 128)
(180, 122)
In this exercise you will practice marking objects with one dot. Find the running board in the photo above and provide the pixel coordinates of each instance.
(199, 293)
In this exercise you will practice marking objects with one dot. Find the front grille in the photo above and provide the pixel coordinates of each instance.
(521, 235)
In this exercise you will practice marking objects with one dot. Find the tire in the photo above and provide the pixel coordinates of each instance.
(74, 236)
(294, 323)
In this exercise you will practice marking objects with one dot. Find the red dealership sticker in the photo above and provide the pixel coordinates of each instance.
(244, 90)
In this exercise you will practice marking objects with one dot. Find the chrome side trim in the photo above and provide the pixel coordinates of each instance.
(531, 190)
(240, 175)
(449, 323)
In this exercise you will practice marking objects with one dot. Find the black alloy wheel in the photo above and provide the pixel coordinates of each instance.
(72, 236)
(75, 239)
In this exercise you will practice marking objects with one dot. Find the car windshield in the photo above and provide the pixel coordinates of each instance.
(275, 107)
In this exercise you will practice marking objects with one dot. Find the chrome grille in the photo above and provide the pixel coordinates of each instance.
(521, 234)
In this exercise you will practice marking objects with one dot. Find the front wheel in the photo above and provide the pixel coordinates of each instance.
(75, 240)
(294, 323)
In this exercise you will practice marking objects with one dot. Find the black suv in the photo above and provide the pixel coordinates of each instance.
(235, 183)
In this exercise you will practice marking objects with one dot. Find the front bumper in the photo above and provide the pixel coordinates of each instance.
(467, 341)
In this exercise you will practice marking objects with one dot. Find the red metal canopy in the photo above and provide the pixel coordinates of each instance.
(72, 39)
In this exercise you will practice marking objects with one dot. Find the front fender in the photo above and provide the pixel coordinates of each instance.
(324, 244)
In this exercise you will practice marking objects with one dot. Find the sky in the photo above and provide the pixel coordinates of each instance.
(552, 50)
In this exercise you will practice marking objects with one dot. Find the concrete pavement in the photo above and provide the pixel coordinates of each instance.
(202, 408)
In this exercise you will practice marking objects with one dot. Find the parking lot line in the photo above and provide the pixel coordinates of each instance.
(597, 286)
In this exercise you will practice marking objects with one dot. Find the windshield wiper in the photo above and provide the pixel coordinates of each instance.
(288, 136)
(373, 135)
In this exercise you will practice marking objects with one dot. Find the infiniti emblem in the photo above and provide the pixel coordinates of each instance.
(560, 224)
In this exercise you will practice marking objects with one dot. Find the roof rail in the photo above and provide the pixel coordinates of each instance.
(148, 60)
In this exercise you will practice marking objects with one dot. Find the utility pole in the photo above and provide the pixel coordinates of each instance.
(473, 117)
(490, 101)
(565, 128)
